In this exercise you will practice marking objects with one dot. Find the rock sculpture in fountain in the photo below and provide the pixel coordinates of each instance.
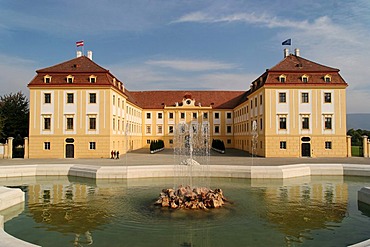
(191, 147)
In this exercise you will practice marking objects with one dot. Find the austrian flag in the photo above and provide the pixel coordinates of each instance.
(80, 43)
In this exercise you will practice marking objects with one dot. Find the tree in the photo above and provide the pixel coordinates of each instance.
(357, 136)
(14, 114)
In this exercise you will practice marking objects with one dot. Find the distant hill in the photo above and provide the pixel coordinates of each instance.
(358, 121)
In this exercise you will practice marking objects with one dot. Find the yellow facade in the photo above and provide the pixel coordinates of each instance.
(283, 114)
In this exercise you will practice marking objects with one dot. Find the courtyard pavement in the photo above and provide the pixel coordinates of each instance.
(142, 157)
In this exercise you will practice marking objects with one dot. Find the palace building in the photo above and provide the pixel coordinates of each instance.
(79, 109)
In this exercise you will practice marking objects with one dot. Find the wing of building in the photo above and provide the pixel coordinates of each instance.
(79, 109)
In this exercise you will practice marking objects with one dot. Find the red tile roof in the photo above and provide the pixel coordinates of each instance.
(77, 65)
(293, 63)
(81, 68)
(215, 99)
(294, 67)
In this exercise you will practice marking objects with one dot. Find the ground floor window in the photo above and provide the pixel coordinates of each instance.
(92, 145)
(148, 141)
(46, 145)
(228, 141)
(327, 145)
(283, 145)
(171, 141)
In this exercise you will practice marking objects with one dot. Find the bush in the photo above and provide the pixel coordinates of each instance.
(218, 144)
(156, 144)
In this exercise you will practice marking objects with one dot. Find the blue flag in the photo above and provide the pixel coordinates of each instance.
(287, 42)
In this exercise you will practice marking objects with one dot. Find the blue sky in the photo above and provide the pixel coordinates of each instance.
(186, 44)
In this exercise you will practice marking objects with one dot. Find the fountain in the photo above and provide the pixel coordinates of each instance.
(191, 186)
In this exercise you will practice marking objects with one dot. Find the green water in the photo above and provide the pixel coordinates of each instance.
(309, 211)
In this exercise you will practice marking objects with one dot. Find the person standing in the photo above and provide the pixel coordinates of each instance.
(111, 155)
(117, 155)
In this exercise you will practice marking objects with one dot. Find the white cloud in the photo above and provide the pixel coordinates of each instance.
(191, 65)
(150, 76)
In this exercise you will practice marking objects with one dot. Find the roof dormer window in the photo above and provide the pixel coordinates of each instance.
(327, 78)
(282, 78)
(114, 81)
(304, 78)
(70, 79)
(47, 79)
(92, 78)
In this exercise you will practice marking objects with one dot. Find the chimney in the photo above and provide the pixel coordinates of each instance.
(296, 52)
(286, 52)
(79, 53)
(89, 54)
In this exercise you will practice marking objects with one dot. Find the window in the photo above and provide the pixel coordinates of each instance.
(261, 125)
(228, 115)
(304, 97)
(148, 115)
(305, 123)
(283, 145)
(255, 102)
(195, 115)
(170, 115)
(304, 78)
(92, 145)
(70, 98)
(170, 141)
(47, 79)
(217, 115)
(328, 123)
(114, 123)
(70, 79)
(228, 141)
(282, 123)
(182, 115)
(148, 129)
(228, 129)
(92, 79)
(47, 123)
(205, 115)
(260, 99)
(327, 97)
(92, 97)
(159, 115)
(282, 98)
(69, 123)
(148, 141)
(92, 123)
(47, 98)
(251, 104)
(159, 129)
(114, 99)
(282, 78)
(327, 145)
(327, 78)
(170, 129)
(217, 129)
(46, 145)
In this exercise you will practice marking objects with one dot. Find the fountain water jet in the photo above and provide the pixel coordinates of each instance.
(191, 156)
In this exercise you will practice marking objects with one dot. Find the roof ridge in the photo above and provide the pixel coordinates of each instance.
(82, 58)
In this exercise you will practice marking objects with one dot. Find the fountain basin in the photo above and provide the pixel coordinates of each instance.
(231, 171)
(111, 173)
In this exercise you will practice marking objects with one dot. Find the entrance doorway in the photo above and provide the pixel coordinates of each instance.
(306, 149)
(70, 151)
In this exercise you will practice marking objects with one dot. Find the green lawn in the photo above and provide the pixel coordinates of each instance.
(356, 151)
